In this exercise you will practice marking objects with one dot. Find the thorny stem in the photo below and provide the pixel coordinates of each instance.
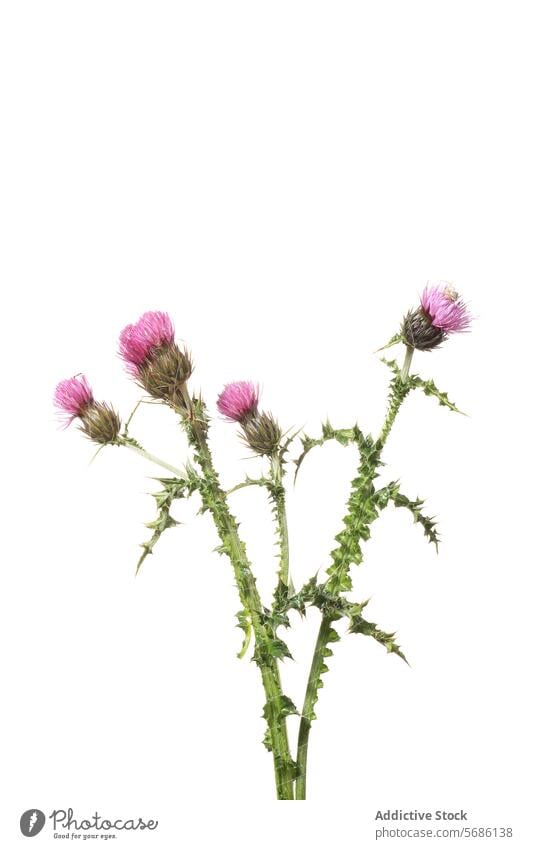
(279, 496)
(401, 390)
(307, 711)
(214, 500)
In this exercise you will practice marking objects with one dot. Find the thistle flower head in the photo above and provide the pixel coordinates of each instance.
(440, 313)
(238, 401)
(153, 358)
(74, 400)
(138, 341)
(72, 397)
(445, 308)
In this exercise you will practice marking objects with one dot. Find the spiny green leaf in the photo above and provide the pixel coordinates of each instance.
(267, 740)
(285, 446)
(287, 707)
(427, 522)
(398, 392)
(244, 622)
(395, 340)
(414, 381)
(163, 521)
(248, 482)
(269, 647)
(391, 493)
(392, 364)
(361, 512)
(173, 488)
(275, 711)
(297, 601)
(327, 635)
(277, 648)
(333, 636)
(429, 388)
(358, 625)
(343, 436)
(276, 492)
(386, 494)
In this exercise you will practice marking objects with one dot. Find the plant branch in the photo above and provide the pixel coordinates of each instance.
(362, 511)
(133, 445)
(278, 496)
(326, 634)
(267, 647)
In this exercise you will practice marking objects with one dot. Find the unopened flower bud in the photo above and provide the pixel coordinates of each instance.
(74, 400)
(154, 359)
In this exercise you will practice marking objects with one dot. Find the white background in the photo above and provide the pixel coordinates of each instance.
(283, 178)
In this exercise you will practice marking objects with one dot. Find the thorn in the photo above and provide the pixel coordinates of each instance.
(95, 455)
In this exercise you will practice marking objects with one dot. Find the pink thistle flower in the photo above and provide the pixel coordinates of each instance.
(238, 401)
(445, 308)
(138, 341)
(72, 397)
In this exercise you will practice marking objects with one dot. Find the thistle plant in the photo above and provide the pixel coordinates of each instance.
(163, 371)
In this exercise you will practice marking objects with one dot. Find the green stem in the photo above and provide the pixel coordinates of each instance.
(409, 351)
(134, 446)
(214, 500)
(309, 702)
(399, 391)
(279, 498)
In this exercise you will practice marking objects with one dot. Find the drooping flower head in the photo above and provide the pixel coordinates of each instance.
(74, 399)
(441, 312)
(238, 401)
(152, 356)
